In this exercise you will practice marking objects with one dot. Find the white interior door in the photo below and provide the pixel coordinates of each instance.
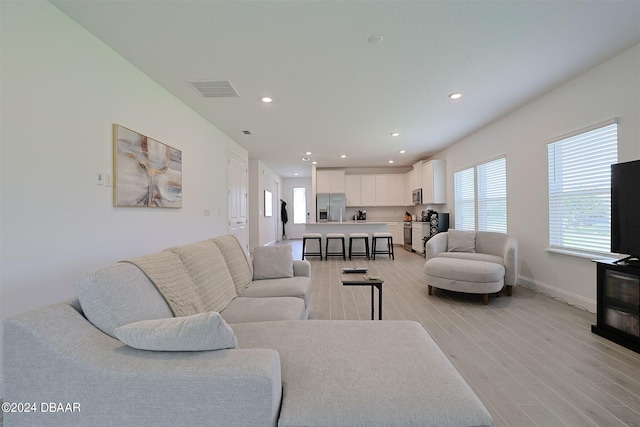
(238, 195)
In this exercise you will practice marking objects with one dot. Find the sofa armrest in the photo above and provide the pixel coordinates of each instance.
(436, 245)
(510, 254)
(55, 355)
(301, 268)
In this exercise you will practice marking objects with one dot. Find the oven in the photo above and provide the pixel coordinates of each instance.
(406, 228)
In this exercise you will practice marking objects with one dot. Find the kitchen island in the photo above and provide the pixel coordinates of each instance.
(344, 227)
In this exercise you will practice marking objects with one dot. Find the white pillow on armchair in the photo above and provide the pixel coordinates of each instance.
(461, 241)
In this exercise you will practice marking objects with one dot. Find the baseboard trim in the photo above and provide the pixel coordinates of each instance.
(557, 293)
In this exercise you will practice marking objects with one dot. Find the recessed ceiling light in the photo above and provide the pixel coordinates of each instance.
(308, 153)
(295, 173)
(314, 163)
(266, 99)
(403, 151)
(395, 134)
(455, 95)
(344, 156)
(305, 159)
(390, 161)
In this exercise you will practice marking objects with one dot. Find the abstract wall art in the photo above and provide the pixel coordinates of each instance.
(147, 172)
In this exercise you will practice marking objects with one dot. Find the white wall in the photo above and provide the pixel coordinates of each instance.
(607, 91)
(62, 90)
(263, 230)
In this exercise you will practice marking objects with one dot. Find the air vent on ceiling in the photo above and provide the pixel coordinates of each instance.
(246, 132)
(215, 89)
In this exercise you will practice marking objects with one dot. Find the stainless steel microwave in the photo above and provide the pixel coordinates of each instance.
(417, 196)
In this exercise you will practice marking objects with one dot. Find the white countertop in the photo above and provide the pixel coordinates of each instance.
(347, 223)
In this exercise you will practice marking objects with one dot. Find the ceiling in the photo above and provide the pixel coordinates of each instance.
(335, 92)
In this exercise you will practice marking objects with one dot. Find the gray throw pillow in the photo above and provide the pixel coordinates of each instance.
(203, 331)
(272, 262)
(461, 241)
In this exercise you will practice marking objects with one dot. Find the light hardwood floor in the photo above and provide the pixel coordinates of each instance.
(532, 360)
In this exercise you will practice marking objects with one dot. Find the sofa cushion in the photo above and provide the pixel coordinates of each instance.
(238, 262)
(203, 331)
(461, 241)
(272, 262)
(297, 286)
(473, 256)
(465, 270)
(355, 373)
(211, 279)
(244, 309)
(119, 294)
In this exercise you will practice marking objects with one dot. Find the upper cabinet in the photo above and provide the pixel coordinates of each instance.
(396, 190)
(375, 190)
(352, 188)
(382, 190)
(330, 181)
(409, 186)
(434, 188)
(367, 190)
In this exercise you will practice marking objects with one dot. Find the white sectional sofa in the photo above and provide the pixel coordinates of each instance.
(201, 335)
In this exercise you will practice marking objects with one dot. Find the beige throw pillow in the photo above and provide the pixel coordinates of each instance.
(199, 332)
(461, 241)
(272, 262)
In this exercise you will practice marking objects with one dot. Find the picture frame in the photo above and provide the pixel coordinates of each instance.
(268, 203)
(147, 173)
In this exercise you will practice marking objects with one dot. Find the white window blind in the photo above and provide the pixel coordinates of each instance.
(580, 190)
(492, 196)
(465, 199)
(481, 197)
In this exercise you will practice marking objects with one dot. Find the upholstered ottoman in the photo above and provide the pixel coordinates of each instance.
(464, 275)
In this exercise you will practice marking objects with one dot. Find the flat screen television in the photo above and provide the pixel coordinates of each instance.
(625, 209)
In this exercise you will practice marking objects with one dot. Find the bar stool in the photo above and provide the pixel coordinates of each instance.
(311, 236)
(355, 236)
(388, 250)
(335, 236)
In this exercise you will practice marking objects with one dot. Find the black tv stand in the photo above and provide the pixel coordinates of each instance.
(618, 315)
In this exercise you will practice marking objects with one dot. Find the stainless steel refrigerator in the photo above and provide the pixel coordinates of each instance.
(330, 207)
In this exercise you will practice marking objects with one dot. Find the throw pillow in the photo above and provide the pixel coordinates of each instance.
(461, 241)
(202, 331)
(272, 262)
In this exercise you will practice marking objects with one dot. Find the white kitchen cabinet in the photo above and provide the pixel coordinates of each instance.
(382, 190)
(375, 190)
(368, 190)
(434, 175)
(330, 181)
(409, 185)
(352, 190)
(396, 190)
(418, 231)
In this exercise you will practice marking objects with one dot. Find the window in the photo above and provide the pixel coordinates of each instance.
(481, 197)
(580, 189)
(299, 205)
(465, 199)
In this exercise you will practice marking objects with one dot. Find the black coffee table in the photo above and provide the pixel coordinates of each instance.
(365, 278)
